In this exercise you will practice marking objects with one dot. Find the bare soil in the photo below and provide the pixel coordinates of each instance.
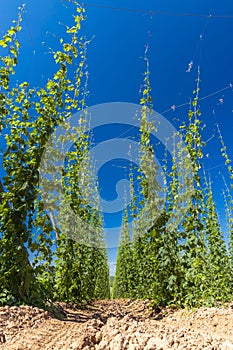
(115, 325)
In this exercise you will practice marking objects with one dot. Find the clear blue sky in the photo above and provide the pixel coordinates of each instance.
(178, 32)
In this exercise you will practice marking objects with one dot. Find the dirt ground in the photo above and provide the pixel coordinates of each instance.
(115, 325)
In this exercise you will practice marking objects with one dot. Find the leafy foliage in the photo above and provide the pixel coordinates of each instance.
(29, 116)
(186, 264)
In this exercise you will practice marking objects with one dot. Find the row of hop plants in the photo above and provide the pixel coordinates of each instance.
(35, 266)
(190, 262)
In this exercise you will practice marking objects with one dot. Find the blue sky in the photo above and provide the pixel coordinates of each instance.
(177, 32)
